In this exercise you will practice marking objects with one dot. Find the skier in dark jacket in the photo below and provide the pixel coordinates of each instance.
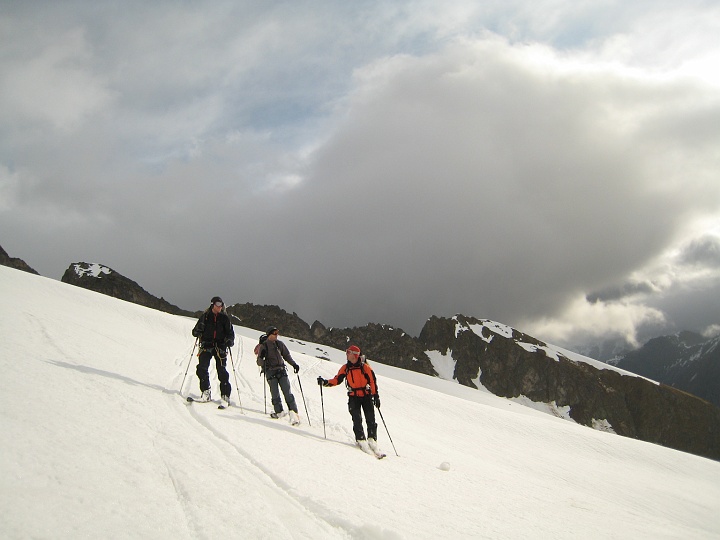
(215, 333)
(272, 355)
(362, 390)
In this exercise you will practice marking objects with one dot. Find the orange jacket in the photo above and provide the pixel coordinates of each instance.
(359, 379)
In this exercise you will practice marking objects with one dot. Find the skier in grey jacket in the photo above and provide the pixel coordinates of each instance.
(271, 356)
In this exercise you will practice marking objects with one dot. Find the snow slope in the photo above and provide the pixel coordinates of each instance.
(98, 441)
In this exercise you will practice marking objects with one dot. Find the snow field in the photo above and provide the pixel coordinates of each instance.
(98, 441)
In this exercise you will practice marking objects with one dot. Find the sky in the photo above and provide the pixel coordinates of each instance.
(110, 448)
(552, 165)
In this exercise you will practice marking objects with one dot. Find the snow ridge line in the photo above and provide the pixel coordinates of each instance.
(321, 514)
(319, 510)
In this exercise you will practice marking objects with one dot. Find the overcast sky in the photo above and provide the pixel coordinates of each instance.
(553, 165)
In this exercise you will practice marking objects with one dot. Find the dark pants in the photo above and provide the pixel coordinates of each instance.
(278, 380)
(364, 404)
(220, 363)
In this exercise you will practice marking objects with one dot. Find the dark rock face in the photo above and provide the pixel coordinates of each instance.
(378, 342)
(260, 317)
(633, 406)
(102, 279)
(14, 262)
(686, 361)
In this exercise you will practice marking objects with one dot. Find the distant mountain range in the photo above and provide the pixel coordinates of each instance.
(687, 361)
(481, 353)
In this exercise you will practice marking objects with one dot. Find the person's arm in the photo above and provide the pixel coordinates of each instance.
(199, 327)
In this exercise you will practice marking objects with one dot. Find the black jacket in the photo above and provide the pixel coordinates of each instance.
(214, 329)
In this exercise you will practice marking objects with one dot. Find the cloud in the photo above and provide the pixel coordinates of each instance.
(621, 291)
(52, 84)
(675, 291)
(531, 162)
(493, 179)
(703, 251)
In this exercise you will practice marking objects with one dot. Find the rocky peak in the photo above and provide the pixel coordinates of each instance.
(260, 317)
(100, 278)
(511, 364)
(14, 262)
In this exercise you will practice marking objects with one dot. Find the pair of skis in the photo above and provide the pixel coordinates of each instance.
(223, 404)
(368, 450)
(364, 447)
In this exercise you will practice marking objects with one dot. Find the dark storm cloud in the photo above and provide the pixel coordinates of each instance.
(702, 252)
(439, 192)
(356, 165)
(619, 292)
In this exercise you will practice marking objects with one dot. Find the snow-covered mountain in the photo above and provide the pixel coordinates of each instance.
(98, 441)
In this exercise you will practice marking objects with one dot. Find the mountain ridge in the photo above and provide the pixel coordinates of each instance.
(503, 360)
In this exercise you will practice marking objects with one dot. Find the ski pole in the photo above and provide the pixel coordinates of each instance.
(303, 396)
(188, 368)
(265, 382)
(322, 404)
(386, 429)
(237, 387)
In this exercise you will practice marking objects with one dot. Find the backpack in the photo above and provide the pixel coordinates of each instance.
(361, 366)
(263, 339)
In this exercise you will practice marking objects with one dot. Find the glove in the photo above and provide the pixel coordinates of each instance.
(296, 368)
(376, 400)
(230, 342)
(322, 382)
(199, 329)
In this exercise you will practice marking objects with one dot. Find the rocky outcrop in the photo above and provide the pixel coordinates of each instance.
(102, 279)
(14, 262)
(511, 364)
(260, 317)
(380, 343)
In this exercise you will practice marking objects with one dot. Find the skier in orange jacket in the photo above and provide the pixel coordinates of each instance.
(362, 390)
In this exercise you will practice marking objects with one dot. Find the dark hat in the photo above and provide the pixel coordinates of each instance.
(270, 330)
(216, 299)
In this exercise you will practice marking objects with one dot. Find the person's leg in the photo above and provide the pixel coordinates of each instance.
(369, 410)
(202, 370)
(289, 397)
(275, 395)
(223, 375)
(354, 406)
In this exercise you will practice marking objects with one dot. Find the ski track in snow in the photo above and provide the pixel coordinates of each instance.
(326, 518)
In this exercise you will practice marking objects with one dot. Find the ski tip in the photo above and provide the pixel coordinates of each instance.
(189, 399)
